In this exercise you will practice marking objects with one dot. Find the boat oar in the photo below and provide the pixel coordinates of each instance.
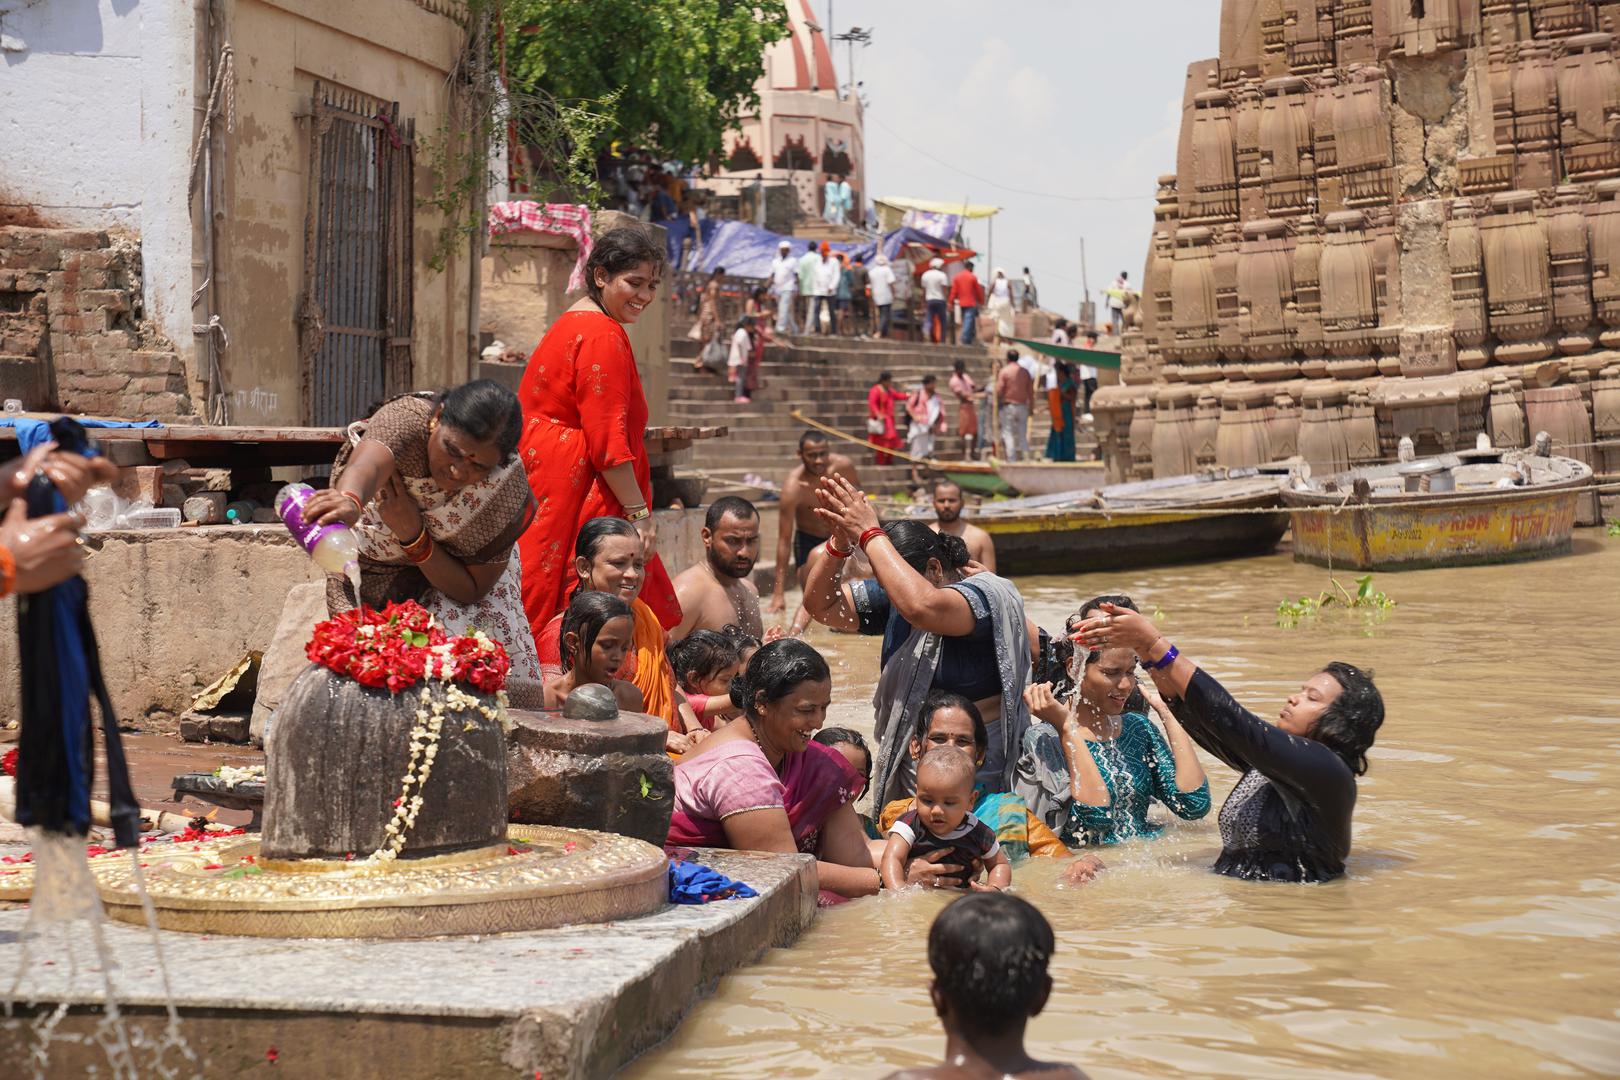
(61, 671)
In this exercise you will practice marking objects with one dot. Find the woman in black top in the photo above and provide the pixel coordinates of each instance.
(1288, 818)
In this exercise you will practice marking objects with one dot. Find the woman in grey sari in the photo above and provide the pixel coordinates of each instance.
(947, 624)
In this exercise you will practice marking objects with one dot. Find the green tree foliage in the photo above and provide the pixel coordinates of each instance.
(683, 70)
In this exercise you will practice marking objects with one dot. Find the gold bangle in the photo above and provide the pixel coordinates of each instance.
(637, 514)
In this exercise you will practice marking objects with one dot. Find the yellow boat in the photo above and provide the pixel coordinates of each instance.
(1474, 508)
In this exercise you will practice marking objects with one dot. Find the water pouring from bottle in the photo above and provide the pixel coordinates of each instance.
(333, 547)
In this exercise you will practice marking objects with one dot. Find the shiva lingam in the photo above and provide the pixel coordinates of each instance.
(386, 811)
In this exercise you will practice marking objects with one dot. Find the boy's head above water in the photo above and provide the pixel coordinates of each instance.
(944, 788)
(989, 952)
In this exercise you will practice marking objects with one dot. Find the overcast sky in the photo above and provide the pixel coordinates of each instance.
(1077, 98)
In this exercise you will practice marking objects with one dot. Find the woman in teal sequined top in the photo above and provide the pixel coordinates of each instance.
(1091, 771)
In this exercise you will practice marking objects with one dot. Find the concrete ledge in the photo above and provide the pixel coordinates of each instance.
(569, 1003)
(173, 610)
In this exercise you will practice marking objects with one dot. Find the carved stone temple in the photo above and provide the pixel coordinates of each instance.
(1387, 218)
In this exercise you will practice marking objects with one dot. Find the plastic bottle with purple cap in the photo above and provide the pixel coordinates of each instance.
(334, 547)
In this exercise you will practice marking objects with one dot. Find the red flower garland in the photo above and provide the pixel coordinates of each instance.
(399, 646)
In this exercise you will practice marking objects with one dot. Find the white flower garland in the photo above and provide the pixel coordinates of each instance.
(425, 738)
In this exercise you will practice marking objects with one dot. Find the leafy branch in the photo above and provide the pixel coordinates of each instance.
(1291, 613)
(551, 142)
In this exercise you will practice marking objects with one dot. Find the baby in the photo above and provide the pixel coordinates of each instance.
(705, 662)
(939, 818)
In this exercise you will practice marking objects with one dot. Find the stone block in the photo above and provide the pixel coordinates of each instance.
(205, 508)
(84, 322)
(611, 775)
(284, 659)
(148, 362)
(140, 483)
(111, 299)
(84, 261)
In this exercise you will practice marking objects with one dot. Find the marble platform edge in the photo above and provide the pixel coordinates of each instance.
(577, 1001)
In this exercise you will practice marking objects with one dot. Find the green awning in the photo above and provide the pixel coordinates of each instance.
(1090, 357)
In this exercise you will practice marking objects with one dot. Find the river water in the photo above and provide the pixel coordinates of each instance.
(1476, 935)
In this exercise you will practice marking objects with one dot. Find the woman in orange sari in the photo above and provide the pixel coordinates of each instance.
(609, 558)
(585, 420)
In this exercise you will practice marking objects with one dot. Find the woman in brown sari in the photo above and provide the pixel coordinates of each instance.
(437, 499)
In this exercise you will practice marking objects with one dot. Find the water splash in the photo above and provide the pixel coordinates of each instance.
(65, 910)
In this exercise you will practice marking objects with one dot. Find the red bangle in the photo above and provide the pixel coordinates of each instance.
(427, 553)
(836, 552)
(358, 505)
(869, 535)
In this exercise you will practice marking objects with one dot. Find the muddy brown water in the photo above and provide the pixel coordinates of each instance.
(1476, 935)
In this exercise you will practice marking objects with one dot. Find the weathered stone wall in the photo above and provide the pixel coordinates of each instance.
(98, 100)
(1386, 218)
(525, 288)
(72, 333)
(388, 50)
(173, 610)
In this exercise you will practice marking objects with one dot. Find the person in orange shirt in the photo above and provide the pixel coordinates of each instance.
(968, 294)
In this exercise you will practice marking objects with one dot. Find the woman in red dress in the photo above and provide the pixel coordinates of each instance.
(880, 427)
(584, 426)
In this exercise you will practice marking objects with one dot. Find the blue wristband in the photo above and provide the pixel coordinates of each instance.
(1164, 661)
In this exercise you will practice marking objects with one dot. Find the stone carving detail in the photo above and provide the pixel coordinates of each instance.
(1296, 276)
(1518, 283)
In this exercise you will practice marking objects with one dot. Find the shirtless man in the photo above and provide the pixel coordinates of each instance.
(989, 952)
(948, 509)
(798, 529)
(718, 591)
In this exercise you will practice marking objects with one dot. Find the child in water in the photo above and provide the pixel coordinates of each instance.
(595, 635)
(848, 741)
(989, 953)
(705, 662)
(940, 818)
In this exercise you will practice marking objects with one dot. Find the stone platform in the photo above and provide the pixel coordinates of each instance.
(568, 1003)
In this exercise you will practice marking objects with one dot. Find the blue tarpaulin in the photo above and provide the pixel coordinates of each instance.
(746, 250)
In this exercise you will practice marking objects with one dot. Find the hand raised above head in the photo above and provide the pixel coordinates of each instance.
(1117, 627)
(845, 505)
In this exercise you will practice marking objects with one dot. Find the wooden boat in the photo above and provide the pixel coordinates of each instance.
(1149, 523)
(1050, 477)
(1473, 508)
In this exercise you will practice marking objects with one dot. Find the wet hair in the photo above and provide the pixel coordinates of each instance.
(775, 670)
(917, 543)
(957, 766)
(1012, 356)
(619, 250)
(587, 613)
(1349, 724)
(833, 736)
(1137, 702)
(810, 437)
(593, 533)
(598, 529)
(728, 506)
(486, 411)
(703, 654)
(938, 700)
(989, 952)
(740, 637)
